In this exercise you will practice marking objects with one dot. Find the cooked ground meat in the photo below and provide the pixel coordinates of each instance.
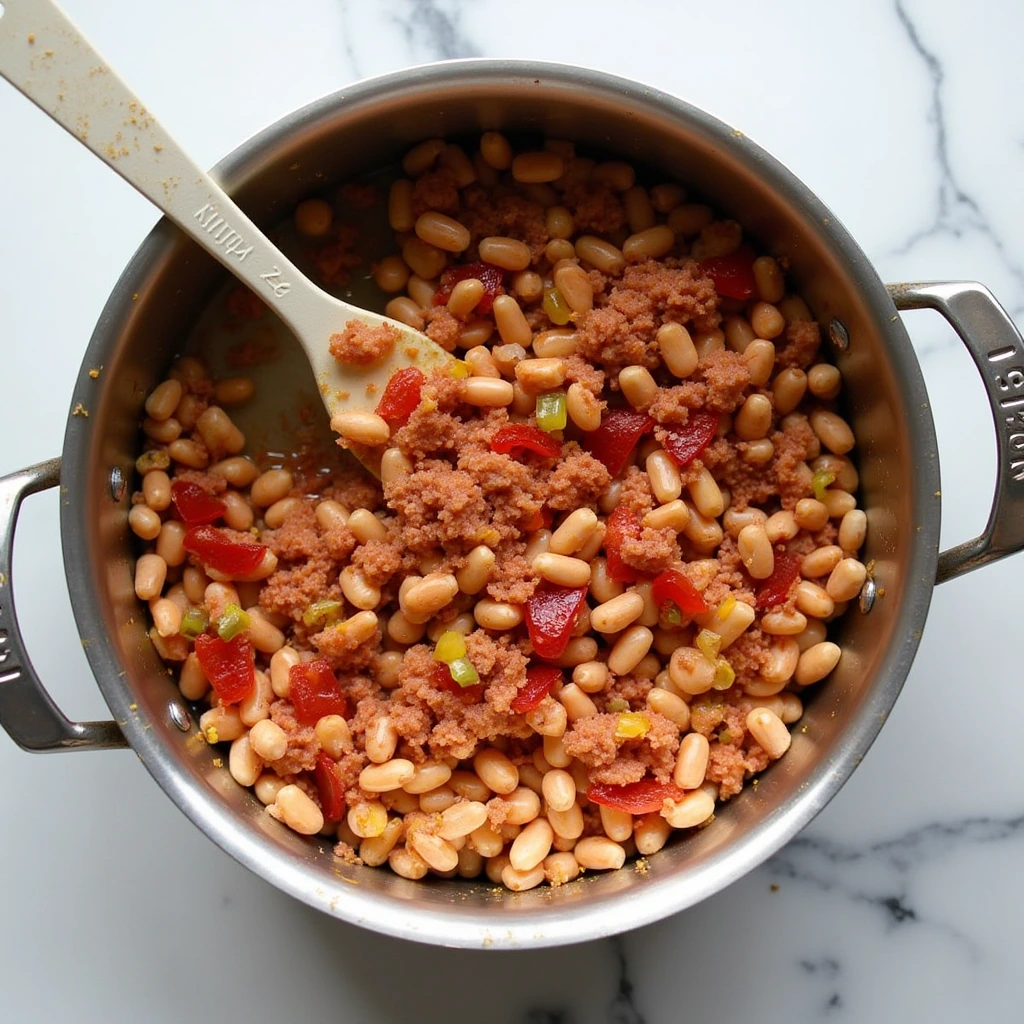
(513, 579)
(803, 338)
(577, 481)
(486, 214)
(636, 493)
(363, 345)
(379, 560)
(727, 378)
(615, 762)
(435, 190)
(443, 328)
(652, 551)
(303, 746)
(335, 260)
(354, 489)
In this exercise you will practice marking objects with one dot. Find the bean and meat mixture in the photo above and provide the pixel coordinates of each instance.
(584, 601)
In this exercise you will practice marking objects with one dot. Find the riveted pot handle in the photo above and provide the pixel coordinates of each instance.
(27, 712)
(996, 347)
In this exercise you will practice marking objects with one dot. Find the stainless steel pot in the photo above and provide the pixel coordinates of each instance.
(367, 126)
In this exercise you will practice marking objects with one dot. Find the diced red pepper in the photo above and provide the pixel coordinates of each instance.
(401, 396)
(674, 586)
(515, 438)
(443, 681)
(641, 797)
(541, 520)
(684, 444)
(776, 588)
(492, 278)
(315, 691)
(551, 613)
(332, 797)
(613, 442)
(622, 524)
(228, 664)
(218, 551)
(539, 680)
(194, 505)
(733, 275)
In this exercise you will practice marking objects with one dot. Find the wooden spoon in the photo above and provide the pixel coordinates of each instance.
(44, 56)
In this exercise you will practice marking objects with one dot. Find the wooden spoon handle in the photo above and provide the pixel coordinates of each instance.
(44, 55)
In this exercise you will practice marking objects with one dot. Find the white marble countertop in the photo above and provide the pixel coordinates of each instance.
(904, 897)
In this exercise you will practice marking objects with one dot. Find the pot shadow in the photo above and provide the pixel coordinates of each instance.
(384, 979)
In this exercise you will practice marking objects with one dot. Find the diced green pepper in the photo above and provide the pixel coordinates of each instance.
(709, 644)
(558, 310)
(464, 672)
(194, 622)
(724, 675)
(820, 482)
(321, 614)
(232, 622)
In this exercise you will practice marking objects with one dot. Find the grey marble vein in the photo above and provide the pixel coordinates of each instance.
(351, 53)
(880, 875)
(437, 28)
(623, 1009)
(956, 210)
(826, 972)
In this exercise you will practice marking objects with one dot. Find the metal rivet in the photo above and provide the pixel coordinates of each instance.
(179, 716)
(868, 593)
(118, 484)
(838, 333)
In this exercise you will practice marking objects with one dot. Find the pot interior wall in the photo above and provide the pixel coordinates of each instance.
(368, 127)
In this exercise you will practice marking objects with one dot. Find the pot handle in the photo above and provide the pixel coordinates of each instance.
(997, 349)
(27, 712)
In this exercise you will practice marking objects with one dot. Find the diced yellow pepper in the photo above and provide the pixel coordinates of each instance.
(632, 725)
(551, 411)
(450, 646)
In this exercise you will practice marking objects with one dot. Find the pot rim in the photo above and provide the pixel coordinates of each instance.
(659, 897)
